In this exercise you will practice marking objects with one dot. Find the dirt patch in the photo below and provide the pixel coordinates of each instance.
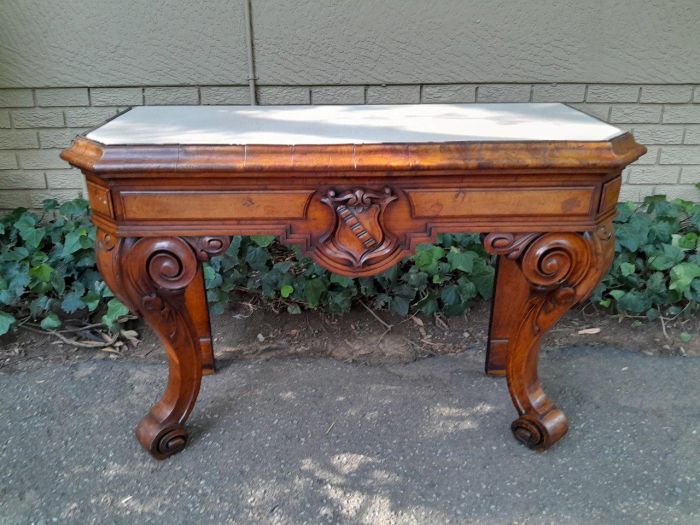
(249, 332)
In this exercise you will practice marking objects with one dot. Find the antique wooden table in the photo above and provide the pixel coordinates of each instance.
(357, 187)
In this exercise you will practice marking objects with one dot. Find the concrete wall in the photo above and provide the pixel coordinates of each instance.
(66, 66)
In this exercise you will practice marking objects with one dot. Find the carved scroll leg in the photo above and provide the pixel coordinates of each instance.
(541, 423)
(151, 275)
(197, 306)
(561, 269)
(161, 432)
(511, 291)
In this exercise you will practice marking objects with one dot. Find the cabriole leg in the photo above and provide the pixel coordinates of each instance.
(560, 269)
(151, 276)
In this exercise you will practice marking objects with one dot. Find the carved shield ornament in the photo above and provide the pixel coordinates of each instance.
(357, 235)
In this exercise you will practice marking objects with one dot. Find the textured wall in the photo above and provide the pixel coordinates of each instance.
(48, 43)
(399, 41)
(69, 65)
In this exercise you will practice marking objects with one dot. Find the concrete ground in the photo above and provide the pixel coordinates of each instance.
(320, 441)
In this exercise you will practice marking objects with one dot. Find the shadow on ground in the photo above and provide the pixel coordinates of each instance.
(321, 441)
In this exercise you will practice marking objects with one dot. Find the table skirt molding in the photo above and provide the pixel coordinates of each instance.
(358, 229)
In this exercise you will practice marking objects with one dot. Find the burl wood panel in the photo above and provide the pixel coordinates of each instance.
(177, 205)
(546, 209)
(468, 202)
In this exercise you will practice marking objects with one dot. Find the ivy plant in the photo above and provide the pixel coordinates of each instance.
(656, 270)
(47, 268)
(442, 277)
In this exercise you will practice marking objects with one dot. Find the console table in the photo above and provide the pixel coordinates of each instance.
(357, 188)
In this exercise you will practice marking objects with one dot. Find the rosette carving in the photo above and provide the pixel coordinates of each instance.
(105, 241)
(560, 269)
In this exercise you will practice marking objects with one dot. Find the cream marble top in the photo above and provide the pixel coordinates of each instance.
(360, 124)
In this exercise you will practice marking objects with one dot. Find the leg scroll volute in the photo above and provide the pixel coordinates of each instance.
(561, 269)
(151, 276)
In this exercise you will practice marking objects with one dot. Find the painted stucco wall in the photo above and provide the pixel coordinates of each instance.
(67, 66)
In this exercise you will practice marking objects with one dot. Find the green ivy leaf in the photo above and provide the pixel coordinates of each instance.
(313, 290)
(216, 308)
(115, 310)
(40, 305)
(50, 321)
(656, 284)
(689, 241)
(633, 234)
(257, 258)
(427, 257)
(33, 236)
(209, 273)
(634, 302)
(682, 276)
(72, 302)
(665, 260)
(345, 282)
(399, 305)
(617, 294)
(339, 302)
(627, 268)
(41, 272)
(450, 294)
(19, 253)
(26, 221)
(429, 306)
(294, 309)
(286, 290)
(72, 242)
(283, 266)
(74, 208)
(467, 290)
(484, 282)
(415, 278)
(49, 204)
(92, 301)
(6, 321)
(463, 261)
(263, 240)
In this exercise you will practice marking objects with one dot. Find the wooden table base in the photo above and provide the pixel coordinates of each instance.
(540, 276)
(545, 206)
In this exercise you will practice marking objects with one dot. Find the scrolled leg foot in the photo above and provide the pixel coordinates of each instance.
(540, 433)
(161, 440)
